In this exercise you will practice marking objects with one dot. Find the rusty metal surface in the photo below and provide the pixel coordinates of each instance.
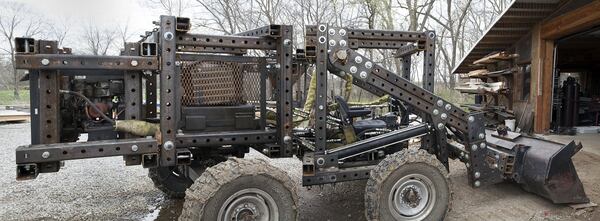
(85, 62)
(81, 150)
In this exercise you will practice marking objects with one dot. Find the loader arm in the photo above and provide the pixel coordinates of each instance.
(334, 51)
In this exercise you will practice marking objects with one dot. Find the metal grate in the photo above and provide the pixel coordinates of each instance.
(219, 83)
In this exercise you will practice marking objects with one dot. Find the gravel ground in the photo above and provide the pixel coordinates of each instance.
(105, 189)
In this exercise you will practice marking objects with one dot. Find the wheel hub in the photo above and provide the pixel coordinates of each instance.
(412, 197)
(249, 205)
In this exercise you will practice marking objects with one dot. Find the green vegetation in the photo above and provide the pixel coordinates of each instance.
(7, 97)
(453, 96)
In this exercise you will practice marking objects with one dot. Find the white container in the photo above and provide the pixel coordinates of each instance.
(510, 123)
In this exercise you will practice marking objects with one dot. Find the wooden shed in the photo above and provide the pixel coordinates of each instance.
(548, 42)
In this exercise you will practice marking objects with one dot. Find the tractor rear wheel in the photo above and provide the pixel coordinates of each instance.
(408, 185)
(242, 189)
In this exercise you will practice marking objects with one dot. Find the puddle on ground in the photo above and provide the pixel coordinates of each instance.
(167, 210)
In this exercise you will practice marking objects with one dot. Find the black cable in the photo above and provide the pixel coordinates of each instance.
(90, 103)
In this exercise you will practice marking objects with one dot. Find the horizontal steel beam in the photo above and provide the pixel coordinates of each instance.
(84, 62)
(241, 42)
(380, 35)
(209, 139)
(266, 31)
(41, 153)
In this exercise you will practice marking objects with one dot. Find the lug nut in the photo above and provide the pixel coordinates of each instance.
(440, 126)
(440, 103)
(482, 145)
(448, 106)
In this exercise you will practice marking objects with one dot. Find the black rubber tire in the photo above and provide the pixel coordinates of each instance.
(205, 197)
(171, 184)
(398, 165)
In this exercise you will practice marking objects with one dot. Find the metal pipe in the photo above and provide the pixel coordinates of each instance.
(380, 141)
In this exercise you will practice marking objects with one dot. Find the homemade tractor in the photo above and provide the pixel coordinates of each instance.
(189, 106)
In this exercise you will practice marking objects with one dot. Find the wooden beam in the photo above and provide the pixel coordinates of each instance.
(572, 22)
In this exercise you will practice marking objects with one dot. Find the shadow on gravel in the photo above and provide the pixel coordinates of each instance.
(167, 211)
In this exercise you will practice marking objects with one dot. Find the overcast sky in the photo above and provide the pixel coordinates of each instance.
(101, 12)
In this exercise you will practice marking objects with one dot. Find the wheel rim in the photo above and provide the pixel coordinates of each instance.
(249, 205)
(412, 197)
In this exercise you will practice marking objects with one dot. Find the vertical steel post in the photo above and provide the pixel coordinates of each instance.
(320, 106)
(429, 61)
(285, 106)
(49, 98)
(168, 116)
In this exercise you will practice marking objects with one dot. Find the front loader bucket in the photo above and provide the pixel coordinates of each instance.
(546, 169)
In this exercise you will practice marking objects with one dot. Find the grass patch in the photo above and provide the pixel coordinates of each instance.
(7, 97)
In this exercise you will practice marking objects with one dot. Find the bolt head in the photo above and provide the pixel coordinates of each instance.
(322, 28)
(358, 59)
(368, 65)
(342, 32)
(482, 145)
(341, 54)
(474, 147)
(332, 42)
(331, 31)
(45, 62)
(134, 63)
(353, 69)
(134, 148)
(481, 135)
(471, 118)
(477, 183)
(440, 126)
(168, 36)
(45, 154)
(320, 161)
(265, 151)
(343, 43)
(436, 111)
(322, 39)
(320, 107)
(444, 116)
(363, 74)
(287, 42)
(431, 35)
(287, 139)
(477, 175)
(440, 103)
(468, 165)
(448, 106)
(169, 145)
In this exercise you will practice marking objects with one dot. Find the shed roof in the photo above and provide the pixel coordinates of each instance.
(516, 21)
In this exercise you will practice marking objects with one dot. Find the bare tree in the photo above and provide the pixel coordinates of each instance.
(98, 40)
(59, 30)
(170, 7)
(16, 20)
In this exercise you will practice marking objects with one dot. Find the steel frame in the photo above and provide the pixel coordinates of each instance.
(161, 51)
